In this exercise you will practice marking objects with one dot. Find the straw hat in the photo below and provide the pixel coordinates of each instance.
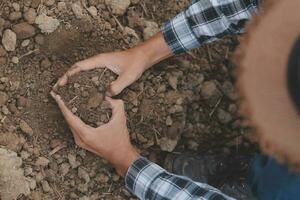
(268, 79)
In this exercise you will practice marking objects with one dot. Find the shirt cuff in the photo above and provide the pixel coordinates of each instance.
(178, 34)
(140, 176)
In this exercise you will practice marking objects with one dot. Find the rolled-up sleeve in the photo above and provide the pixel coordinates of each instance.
(205, 21)
(149, 181)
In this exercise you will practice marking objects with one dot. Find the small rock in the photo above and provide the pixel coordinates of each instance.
(32, 184)
(30, 15)
(72, 160)
(209, 90)
(24, 30)
(9, 40)
(50, 2)
(118, 7)
(95, 100)
(26, 128)
(16, 6)
(46, 187)
(61, 6)
(82, 173)
(11, 141)
(102, 178)
(77, 10)
(25, 43)
(169, 121)
(64, 169)
(3, 98)
(15, 60)
(151, 28)
(224, 116)
(12, 180)
(14, 16)
(93, 11)
(173, 81)
(47, 24)
(167, 144)
(42, 161)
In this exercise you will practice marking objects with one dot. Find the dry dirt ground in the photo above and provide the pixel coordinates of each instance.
(185, 104)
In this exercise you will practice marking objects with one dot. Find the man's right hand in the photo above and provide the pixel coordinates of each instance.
(128, 65)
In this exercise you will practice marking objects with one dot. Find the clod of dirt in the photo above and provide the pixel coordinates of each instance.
(77, 10)
(12, 179)
(118, 7)
(47, 24)
(26, 128)
(42, 161)
(167, 144)
(9, 40)
(209, 90)
(3, 98)
(95, 100)
(224, 116)
(30, 15)
(24, 30)
(14, 16)
(151, 28)
(11, 141)
(173, 81)
(93, 11)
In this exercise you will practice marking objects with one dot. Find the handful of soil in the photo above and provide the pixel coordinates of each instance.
(84, 95)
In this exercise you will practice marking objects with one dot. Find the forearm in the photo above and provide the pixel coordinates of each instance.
(149, 181)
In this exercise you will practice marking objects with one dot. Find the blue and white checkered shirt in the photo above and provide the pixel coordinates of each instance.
(203, 22)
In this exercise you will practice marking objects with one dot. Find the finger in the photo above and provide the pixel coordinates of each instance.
(74, 122)
(118, 85)
(117, 107)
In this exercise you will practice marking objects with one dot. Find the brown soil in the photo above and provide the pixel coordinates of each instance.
(156, 110)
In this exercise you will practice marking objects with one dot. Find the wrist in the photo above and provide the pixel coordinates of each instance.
(154, 50)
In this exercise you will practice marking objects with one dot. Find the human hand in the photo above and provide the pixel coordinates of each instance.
(129, 64)
(110, 141)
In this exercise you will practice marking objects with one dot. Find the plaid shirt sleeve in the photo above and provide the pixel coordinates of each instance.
(149, 181)
(205, 21)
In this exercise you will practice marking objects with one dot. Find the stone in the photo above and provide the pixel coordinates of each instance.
(82, 173)
(167, 144)
(173, 81)
(30, 15)
(118, 7)
(11, 141)
(50, 2)
(47, 24)
(15, 60)
(12, 180)
(46, 63)
(93, 11)
(224, 117)
(169, 121)
(209, 89)
(14, 16)
(64, 169)
(151, 28)
(25, 43)
(26, 128)
(95, 100)
(16, 6)
(3, 98)
(77, 10)
(61, 6)
(72, 160)
(24, 30)
(9, 40)
(42, 161)
(46, 187)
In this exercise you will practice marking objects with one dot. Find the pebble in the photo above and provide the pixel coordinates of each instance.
(173, 81)
(25, 43)
(102, 178)
(45, 186)
(46, 63)
(30, 15)
(93, 11)
(15, 60)
(3, 98)
(118, 7)
(61, 6)
(167, 144)
(209, 89)
(72, 160)
(32, 184)
(24, 30)
(224, 117)
(64, 169)
(77, 10)
(169, 121)
(14, 16)
(151, 28)
(16, 6)
(9, 40)
(47, 24)
(95, 100)
(82, 173)
(50, 2)
(26, 128)
(42, 161)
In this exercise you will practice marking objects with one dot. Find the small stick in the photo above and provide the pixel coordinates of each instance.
(71, 101)
(215, 107)
(56, 149)
(28, 53)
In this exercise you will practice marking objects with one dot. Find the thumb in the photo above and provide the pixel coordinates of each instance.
(117, 106)
(118, 85)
